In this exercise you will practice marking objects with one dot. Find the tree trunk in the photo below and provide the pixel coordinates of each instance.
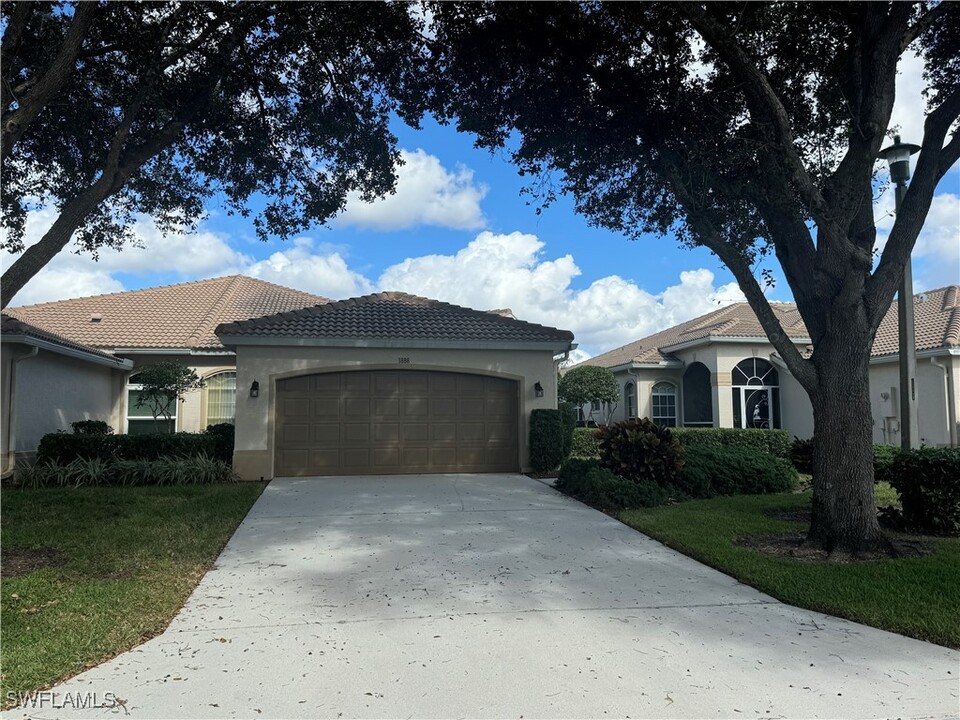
(844, 520)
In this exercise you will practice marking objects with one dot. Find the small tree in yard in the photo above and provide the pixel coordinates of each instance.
(163, 385)
(590, 384)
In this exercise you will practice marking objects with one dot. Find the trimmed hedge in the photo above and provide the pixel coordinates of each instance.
(63, 448)
(801, 453)
(928, 482)
(584, 444)
(598, 487)
(568, 418)
(546, 439)
(221, 441)
(773, 442)
(91, 427)
(710, 471)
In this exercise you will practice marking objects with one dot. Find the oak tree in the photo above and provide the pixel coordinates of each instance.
(275, 109)
(749, 128)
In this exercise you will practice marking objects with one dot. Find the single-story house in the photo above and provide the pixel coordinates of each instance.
(49, 391)
(720, 370)
(387, 383)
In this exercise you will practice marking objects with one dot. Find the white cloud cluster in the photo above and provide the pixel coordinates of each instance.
(426, 194)
(320, 271)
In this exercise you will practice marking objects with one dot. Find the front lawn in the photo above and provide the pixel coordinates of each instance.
(90, 572)
(918, 596)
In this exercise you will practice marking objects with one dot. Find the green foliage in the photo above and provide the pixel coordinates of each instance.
(94, 472)
(801, 454)
(774, 442)
(586, 384)
(641, 451)
(221, 438)
(883, 459)
(546, 439)
(91, 427)
(63, 448)
(928, 482)
(596, 486)
(584, 444)
(177, 104)
(568, 417)
(163, 385)
(710, 471)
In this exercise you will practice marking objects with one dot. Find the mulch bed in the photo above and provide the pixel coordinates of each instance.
(795, 546)
(15, 562)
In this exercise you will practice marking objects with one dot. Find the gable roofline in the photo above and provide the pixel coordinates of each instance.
(17, 331)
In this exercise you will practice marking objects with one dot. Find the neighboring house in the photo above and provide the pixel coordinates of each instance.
(389, 383)
(719, 370)
(130, 330)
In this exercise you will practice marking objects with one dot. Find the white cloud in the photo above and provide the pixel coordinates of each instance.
(321, 273)
(497, 271)
(909, 107)
(426, 194)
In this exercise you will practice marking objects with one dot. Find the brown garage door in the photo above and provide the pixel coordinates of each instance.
(372, 422)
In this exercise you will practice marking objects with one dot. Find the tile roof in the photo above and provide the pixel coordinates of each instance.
(395, 316)
(11, 326)
(937, 314)
(171, 316)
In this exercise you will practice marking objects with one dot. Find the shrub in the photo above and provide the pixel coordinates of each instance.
(568, 418)
(598, 487)
(584, 444)
(221, 441)
(200, 469)
(546, 439)
(774, 442)
(63, 448)
(801, 453)
(641, 451)
(710, 471)
(91, 427)
(928, 482)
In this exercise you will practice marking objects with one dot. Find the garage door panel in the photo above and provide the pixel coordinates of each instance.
(363, 422)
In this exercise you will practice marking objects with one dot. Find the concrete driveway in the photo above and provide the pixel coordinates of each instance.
(492, 596)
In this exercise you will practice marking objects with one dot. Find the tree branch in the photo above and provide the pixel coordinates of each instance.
(924, 23)
(15, 123)
(12, 36)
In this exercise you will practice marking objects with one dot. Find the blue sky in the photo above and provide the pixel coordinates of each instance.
(459, 230)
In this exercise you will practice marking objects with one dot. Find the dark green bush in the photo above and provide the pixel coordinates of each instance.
(598, 487)
(710, 471)
(91, 427)
(928, 482)
(568, 418)
(774, 442)
(584, 444)
(641, 451)
(63, 448)
(221, 438)
(546, 440)
(883, 458)
(801, 453)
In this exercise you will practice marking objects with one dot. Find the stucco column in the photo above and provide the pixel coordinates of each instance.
(722, 399)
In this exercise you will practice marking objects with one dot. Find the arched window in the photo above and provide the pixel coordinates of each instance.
(697, 396)
(756, 394)
(221, 390)
(664, 397)
(629, 401)
(140, 420)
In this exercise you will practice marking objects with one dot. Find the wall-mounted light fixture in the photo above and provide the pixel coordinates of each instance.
(538, 389)
(254, 389)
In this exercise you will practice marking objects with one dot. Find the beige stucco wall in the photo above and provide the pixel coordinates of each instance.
(253, 455)
(932, 406)
(51, 392)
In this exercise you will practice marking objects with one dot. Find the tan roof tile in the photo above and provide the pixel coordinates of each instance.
(396, 316)
(171, 316)
(937, 314)
(11, 326)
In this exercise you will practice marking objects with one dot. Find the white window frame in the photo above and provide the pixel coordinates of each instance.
(653, 403)
(206, 396)
(127, 417)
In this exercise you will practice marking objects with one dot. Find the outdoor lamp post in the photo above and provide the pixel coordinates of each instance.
(898, 157)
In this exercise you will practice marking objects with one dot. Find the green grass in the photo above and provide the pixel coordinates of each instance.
(129, 557)
(919, 597)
